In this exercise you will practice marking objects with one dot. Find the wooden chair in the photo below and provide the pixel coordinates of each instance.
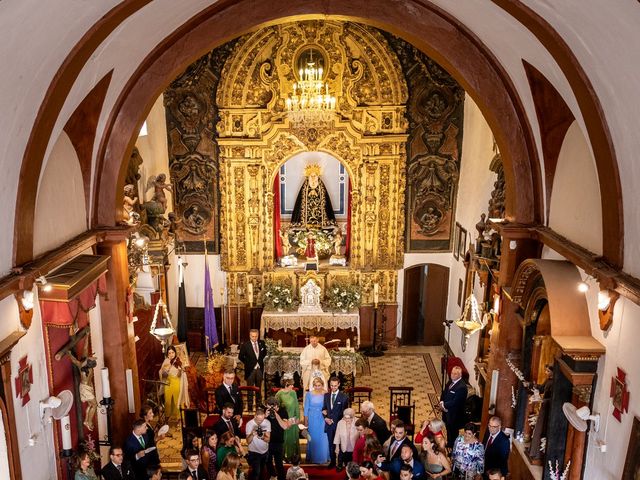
(190, 423)
(357, 395)
(247, 392)
(401, 407)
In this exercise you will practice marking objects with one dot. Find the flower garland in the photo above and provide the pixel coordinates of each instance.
(555, 472)
(278, 296)
(342, 296)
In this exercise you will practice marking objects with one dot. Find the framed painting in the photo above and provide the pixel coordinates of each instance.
(632, 463)
(182, 353)
(462, 242)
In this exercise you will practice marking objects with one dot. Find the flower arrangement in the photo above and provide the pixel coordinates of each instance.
(342, 296)
(89, 446)
(278, 296)
(323, 241)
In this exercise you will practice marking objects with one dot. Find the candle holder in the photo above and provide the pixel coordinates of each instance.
(67, 456)
(107, 404)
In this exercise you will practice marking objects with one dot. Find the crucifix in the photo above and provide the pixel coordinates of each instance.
(83, 373)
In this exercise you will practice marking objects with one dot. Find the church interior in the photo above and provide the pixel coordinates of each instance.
(422, 187)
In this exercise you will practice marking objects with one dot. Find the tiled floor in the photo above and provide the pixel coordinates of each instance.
(405, 366)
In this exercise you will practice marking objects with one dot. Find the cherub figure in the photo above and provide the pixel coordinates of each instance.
(337, 243)
(87, 390)
(159, 186)
(128, 202)
(284, 238)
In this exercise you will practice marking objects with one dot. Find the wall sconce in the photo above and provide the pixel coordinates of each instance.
(25, 300)
(606, 301)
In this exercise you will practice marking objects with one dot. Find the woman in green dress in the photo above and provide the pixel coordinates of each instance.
(288, 398)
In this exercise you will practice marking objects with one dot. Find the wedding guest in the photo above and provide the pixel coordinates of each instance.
(84, 470)
(208, 455)
(228, 422)
(358, 448)
(146, 414)
(434, 429)
(295, 471)
(227, 445)
(468, 453)
(135, 450)
(230, 467)
(228, 393)
(333, 409)
(252, 354)
(318, 447)
(496, 447)
(154, 472)
(452, 403)
(345, 438)
(398, 440)
(176, 393)
(117, 469)
(435, 462)
(194, 469)
(376, 422)
(368, 471)
(288, 399)
(495, 474)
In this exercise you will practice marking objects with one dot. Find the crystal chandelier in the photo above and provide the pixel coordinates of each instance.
(310, 103)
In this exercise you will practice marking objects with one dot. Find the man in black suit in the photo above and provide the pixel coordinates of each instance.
(252, 355)
(376, 423)
(334, 404)
(452, 403)
(397, 441)
(134, 450)
(496, 447)
(227, 423)
(117, 469)
(228, 392)
(194, 469)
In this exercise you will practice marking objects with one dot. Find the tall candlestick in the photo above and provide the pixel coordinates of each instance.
(65, 426)
(106, 389)
(250, 293)
(376, 291)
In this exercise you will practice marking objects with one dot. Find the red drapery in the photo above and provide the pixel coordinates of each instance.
(347, 241)
(276, 216)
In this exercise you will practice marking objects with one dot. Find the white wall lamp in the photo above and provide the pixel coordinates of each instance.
(606, 301)
(43, 283)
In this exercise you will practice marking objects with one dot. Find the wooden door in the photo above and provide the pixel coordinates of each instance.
(434, 304)
(411, 310)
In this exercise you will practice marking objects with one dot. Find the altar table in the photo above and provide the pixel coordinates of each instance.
(310, 321)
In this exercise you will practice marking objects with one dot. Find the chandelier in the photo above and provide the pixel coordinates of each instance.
(161, 327)
(470, 321)
(310, 103)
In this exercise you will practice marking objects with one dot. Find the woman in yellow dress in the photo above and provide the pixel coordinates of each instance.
(176, 392)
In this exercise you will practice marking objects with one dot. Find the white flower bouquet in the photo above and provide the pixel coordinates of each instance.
(343, 297)
(278, 296)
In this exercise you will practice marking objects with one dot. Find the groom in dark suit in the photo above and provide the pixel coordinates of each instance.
(252, 355)
(452, 403)
(496, 448)
(134, 450)
(334, 404)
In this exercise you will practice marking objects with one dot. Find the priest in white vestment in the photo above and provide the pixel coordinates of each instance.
(314, 351)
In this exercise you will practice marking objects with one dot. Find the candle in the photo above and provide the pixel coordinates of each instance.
(376, 292)
(250, 293)
(106, 389)
(130, 399)
(65, 426)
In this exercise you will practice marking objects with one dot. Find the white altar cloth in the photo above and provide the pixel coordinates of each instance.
(309, 321)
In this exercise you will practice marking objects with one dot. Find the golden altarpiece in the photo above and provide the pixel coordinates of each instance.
(367, 134)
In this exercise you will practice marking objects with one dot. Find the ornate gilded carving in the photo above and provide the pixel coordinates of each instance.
(497, 200)
(583, 392)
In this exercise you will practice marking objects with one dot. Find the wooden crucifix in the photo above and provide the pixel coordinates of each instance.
(83, 374)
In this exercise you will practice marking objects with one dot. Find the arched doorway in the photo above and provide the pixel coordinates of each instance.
(425, 304)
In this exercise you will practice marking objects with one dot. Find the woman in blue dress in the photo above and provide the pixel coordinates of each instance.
(318, 447)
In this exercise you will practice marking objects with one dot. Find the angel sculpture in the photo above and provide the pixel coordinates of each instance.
(159, 186)
(128, 202)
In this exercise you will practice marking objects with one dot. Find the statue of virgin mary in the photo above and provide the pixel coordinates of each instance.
(313, 207)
